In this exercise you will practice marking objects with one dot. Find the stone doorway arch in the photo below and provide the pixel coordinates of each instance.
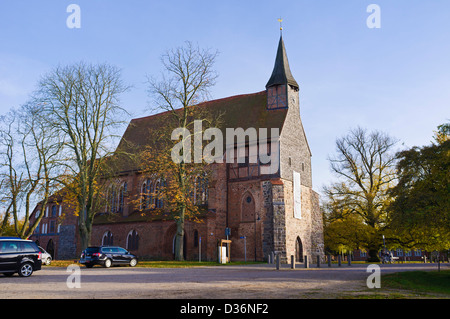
(298, 250)
(51, 248)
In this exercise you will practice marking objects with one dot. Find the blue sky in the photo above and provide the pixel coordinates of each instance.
(395, 79)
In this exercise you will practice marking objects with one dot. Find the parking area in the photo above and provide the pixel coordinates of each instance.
(225, 282)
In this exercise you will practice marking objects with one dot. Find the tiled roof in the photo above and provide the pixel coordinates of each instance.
(247, 110)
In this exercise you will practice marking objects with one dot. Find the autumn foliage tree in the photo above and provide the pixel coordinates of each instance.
(420, 210)
(357, 203)
(185, 82)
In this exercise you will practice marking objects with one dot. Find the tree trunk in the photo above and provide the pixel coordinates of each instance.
(179, 240)
(373, 255)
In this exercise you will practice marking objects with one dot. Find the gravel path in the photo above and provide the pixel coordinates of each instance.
(228, 282)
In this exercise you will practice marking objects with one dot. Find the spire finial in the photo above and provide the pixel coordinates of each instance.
(281, 25)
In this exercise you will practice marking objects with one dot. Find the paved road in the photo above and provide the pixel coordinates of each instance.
(236, 282)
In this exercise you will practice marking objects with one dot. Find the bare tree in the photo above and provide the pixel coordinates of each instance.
(188, 75)
(29, 153)
(365, 162)
(81, 103)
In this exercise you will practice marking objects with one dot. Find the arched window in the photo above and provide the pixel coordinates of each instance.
(158, 200)
(54, 211)
(133, 240)
(122, 191)
(146, 194)
(112, 205)
(201, 190)
(196, 238)
(108, 239)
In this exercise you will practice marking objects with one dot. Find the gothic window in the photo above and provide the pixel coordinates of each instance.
(201, 189)
(196, 238)
(146, 194)
(122, 192)
(113, 200)
(54, 211)
(133, 240)
(108, 239)
(52, 226)
(157, 200)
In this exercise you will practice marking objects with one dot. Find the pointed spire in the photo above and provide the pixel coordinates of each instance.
(281, 72)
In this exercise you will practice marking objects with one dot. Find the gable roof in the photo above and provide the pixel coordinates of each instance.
(245, 111)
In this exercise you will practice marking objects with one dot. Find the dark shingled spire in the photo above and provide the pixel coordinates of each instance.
(281, 72)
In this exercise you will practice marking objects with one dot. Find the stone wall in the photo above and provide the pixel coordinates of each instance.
(67, 242)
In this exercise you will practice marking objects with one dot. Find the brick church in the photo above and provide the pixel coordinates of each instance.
(259, 211)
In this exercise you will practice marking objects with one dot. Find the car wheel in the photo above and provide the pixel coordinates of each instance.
(26, 270)
(107, 263)
(133, 262)
(48, 261)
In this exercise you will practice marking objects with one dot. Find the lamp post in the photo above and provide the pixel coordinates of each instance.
(257, 218)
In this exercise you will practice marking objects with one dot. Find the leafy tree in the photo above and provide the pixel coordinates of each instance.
(357, 203)
(420, 210)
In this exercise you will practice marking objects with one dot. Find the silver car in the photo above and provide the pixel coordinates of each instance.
(45, 257)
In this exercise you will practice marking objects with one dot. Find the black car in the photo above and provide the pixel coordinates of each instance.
(107, 256)
(19, 256)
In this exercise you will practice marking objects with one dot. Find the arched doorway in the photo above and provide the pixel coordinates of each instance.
(51, 248)
(298, 250)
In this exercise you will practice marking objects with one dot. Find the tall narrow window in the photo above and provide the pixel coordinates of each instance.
(122, 192)
(108, 239)
(54, 211)
(133, 240)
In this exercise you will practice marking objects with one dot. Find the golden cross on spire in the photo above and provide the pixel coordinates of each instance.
(281, 25)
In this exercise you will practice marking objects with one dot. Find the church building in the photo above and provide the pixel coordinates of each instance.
(253, 210)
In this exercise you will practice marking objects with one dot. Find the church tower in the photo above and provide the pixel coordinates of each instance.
(296, 218)
(281, 83)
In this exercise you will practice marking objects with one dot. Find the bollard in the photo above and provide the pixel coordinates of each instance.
(306, 261)
(349, 259)
(329, 260)
(278, 261)
(292, 262)
(272, 258)
(318, 261)
(339, 260)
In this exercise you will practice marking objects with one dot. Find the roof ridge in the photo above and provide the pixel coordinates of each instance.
(202, 104)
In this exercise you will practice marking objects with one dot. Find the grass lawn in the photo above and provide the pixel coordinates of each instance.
(419, 281)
